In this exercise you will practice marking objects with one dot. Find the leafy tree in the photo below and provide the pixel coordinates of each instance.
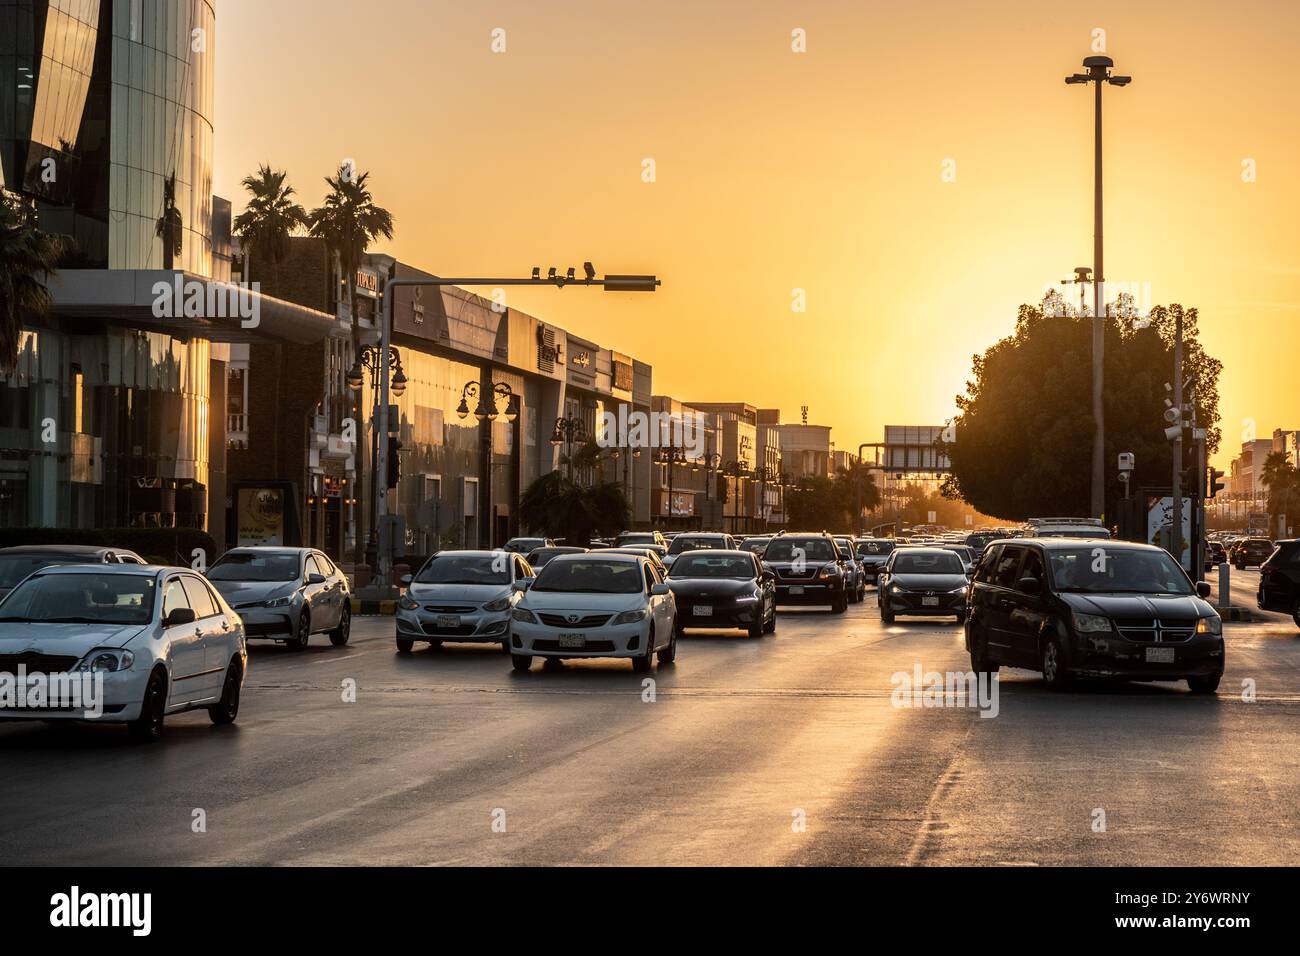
(170, 227)
(816, 503)
(562, 508)
(28, 257)
(271, 217)
(1023, 437)
(1283, 481)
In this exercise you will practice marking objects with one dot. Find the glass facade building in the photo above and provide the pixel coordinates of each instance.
(103, 424)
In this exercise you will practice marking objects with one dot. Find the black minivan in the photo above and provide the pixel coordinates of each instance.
(1279, 581)
(1109, 609)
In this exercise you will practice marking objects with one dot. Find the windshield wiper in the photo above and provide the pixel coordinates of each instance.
(15, 619)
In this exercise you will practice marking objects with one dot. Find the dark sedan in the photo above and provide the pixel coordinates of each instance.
(727, 589)
(1111, 609)
(927, 582)
(18, 562)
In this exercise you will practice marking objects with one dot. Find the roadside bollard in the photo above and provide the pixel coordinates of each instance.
(1225, 588)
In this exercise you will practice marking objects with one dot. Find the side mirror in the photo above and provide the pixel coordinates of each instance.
(406, 580)
(661, 589)
(1203, 589)
(179, 615)
(315, 579)
(1029, 585)
(523, 584)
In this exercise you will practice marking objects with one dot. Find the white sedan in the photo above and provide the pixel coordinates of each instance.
(595, 605)
(119, 644)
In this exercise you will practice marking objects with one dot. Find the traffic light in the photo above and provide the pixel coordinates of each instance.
(1216, 483)
(394, 461)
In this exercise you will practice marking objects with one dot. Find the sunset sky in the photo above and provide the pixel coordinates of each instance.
(821, 170)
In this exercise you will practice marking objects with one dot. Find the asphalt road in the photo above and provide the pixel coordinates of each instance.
(779, 750)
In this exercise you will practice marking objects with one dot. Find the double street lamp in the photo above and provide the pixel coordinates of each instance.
(670, 457)
(569, 432)
(1099, 72)
(369, 361)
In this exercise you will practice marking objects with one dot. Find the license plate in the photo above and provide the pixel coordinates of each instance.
(1160, 655)
(702, 610)
(929, 602)
(447, 620)
(796, 589)
(573, 640)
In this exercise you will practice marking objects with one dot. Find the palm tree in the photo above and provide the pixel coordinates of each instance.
(269, 220)
(349, 221)
(169, 227)
(28, 257)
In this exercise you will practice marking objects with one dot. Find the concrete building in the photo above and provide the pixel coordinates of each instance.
(806, 450)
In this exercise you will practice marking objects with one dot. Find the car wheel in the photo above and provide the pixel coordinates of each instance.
(404, 646)
(302, 633)
(961, 618)
(641, 665)
(1295, 613)
(521, 662)
(148, 727)
(840, 605)
(227, 709)
(505, 647)
(1204, 685)
(755, 629)
(1055, 675)
(669, 654)
(979, 656)
(435, 645)
(770, 626)
(339, 636)
(886, 615)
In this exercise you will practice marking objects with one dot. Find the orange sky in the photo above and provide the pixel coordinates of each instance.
(820, 171)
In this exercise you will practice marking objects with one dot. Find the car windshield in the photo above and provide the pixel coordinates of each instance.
(256, 566)
(713, 566)
(15, 567)
(81, 599)
(465, 569)
(623, 539)
(921, 562)
(875, 547)
(963, 552)
(790, 549)
(591, 576)
(1114, 570)
(694, 543)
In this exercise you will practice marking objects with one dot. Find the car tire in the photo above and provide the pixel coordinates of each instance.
(404, 645)
(886, 615)
(979, 656)
(840, 605)
(669, 654)
(301, 633)
(339, 636)
(148, 727)
(642, 664)
(755, 629)
(1055, 675)
(521, 662)
(505, 646)
(1295, 613)
(1204, 685)
(226, 710)
(435, 645)
(770, 626)
(961, 618)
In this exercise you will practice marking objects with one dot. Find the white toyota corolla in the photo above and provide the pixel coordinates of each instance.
(119, 644)
(595, 605)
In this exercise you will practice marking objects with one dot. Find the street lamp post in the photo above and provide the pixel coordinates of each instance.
(670, 458)
(487, 408)
(610, 283)
(712, 464)
(368, 361)
(1098, 68)
(568, 432)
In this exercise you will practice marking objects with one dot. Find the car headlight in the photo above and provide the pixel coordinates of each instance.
(105, 660)
(408, 603)
(524, 615)
(631, 617)
(896, 589)
(1091, 623)
(1209, 625)
(500, 604)
(284, 601)
(748, 598)
(960, 590)
(829, 572)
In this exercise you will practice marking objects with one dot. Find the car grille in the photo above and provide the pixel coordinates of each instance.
(1145, 630)
(450, 608)
(546, 645)
(790, 574)
(36, 663)
(562, 620)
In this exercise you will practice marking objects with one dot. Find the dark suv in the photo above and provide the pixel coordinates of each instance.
(873, 553)
(1279, 581)
(1110, 609)
(808, 570)
(1251, 551)
(857, 582)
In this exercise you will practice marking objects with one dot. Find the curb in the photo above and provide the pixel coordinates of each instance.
(373, 607)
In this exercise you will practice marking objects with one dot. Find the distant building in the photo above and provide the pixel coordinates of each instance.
(806, 450)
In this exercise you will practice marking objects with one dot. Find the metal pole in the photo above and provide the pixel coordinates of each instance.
(381, 458)
(1098, 327)
(1176, 532)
